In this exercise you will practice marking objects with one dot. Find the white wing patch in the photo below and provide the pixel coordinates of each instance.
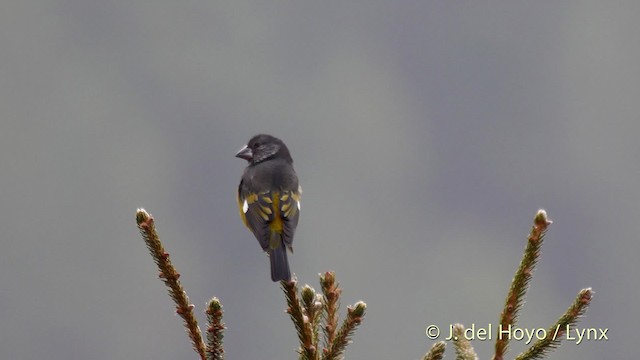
(245, 207)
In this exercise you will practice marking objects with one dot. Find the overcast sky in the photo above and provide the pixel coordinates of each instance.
(426, 135)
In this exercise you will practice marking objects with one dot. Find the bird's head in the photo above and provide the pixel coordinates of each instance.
(264, 147)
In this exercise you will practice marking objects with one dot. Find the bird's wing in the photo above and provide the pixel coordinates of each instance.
(290, 210)
(268, 213)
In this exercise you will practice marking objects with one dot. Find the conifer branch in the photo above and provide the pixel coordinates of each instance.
(311, 311)
(355, 314)
(331, 294)
(436, 352)
(520, 283)
(312, 305)
(464, 350)
(310, 308)
(557, 331)
(170, 276)
(307, 350)
(215, 330)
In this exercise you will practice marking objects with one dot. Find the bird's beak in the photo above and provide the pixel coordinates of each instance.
(245, 153)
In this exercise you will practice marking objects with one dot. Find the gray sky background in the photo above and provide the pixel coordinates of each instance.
(426, 135)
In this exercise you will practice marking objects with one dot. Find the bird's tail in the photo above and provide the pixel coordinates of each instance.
(279, 264)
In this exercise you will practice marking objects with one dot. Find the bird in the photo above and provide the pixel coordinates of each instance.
(269, 199)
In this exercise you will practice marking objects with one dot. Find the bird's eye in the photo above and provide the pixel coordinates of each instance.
(256, 145)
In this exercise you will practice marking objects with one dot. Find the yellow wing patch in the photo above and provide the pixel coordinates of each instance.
(272, 208)
(274, 198)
